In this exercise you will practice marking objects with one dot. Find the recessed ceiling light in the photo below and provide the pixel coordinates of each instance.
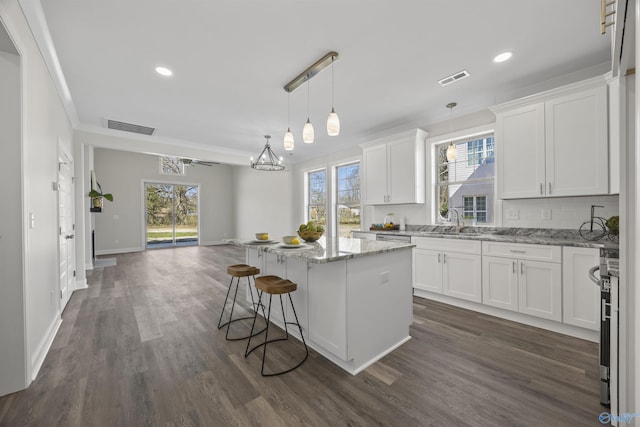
(502, 57)
(164, 71)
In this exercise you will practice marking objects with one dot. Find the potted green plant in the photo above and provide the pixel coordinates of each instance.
(97, 196)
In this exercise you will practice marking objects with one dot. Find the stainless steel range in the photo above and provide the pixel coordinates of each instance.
(607, 280)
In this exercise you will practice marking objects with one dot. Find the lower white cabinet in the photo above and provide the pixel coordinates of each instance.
(449, 267)
(581, 297)
(518, 281)
(286, 268)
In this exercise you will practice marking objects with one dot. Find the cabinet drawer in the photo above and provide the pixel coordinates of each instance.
(523, 251)
(448, 245)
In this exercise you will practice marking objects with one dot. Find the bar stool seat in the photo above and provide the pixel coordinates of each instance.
(274, 285)
(238, 271)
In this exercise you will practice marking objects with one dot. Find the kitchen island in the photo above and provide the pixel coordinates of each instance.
(354, 296)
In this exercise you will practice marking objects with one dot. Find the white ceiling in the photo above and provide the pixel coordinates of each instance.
(231, 59)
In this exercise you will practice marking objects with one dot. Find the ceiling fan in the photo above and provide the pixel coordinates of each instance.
(194, 162)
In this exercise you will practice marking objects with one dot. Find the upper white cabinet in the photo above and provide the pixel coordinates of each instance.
(394, 169)
(554, 144)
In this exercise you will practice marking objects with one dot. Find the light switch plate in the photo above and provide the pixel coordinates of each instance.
(546, 214)
(512, 214)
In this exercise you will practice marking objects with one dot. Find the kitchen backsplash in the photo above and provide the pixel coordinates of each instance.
(563, 212)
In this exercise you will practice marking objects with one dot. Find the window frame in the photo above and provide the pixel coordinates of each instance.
(335, 192)
(460, 136)
(307, 195)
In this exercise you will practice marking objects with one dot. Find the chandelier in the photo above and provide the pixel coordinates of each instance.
(267, 160)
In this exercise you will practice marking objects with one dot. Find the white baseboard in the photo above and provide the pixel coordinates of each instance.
(81, 284)
(43, 347)
(119, 251)
(550, 325)
(213, 243)
(88, 266)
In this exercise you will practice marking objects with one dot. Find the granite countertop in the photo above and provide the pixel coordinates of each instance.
(537, 236)
(326, 249)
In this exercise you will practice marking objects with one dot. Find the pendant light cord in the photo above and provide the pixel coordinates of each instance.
(332, 84)
(308, 96)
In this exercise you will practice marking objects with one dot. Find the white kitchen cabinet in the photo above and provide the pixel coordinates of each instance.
(286, 268)
(524, 278)
(554, 145)
(520, 152)
(394, 169)
(500, 282)
(427, 270)
(540, 289)
(449, 267)
(581, 297)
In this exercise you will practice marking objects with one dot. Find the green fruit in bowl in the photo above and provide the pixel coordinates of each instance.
(320, 229)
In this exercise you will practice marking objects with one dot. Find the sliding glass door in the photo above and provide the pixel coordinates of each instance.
(171, 215)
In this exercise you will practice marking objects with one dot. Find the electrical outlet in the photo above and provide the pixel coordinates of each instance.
(512, 214)
(546, 214)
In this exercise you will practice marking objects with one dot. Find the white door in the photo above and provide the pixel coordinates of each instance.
(580, 296)
(540, 289)
(462, 276)
(66, 229)
(402, 172)
(375, 175)
(576, 144)
(500, 282)
(427, 270)
(520, 152)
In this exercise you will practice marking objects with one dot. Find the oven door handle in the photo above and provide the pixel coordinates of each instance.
(592, 275)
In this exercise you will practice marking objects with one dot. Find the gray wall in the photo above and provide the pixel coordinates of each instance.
(119, 227)
(12, 349)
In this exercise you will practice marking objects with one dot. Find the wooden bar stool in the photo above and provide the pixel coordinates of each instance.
(274, 285)
(236, 272)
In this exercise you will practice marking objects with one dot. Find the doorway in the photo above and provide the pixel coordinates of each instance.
(171, 215)
(66, 227)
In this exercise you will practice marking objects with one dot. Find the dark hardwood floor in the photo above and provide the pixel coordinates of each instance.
(140, 347)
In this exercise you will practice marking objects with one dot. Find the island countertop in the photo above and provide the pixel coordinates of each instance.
(326, 249)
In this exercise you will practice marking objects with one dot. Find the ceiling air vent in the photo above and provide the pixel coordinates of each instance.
(454, 77)
(128, 127)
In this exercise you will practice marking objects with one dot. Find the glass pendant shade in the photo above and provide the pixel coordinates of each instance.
(307, 132)
(288, 140)
(333, 123)
(451, 152)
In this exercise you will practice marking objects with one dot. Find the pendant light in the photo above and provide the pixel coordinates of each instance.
(267, 160)
(288, 136)
(451, 149)
(307, 130)
(333, 122)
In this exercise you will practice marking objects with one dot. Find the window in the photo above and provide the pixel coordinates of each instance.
(480, 151)
(475, 207)
(171, 166)
(317, 197)
(348, 198)
(467, 183)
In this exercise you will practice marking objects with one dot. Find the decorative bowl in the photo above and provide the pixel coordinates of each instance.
(262, 236)
(310, 236)
(288, 240)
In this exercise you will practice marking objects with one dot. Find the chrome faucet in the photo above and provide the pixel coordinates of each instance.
(452, 210)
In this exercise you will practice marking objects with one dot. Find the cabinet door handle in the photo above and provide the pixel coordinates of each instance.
(549, 188)
(514, 267)
(444, 258)
(521, 268)
(438, 257)
(517, 252)
(541, 188)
